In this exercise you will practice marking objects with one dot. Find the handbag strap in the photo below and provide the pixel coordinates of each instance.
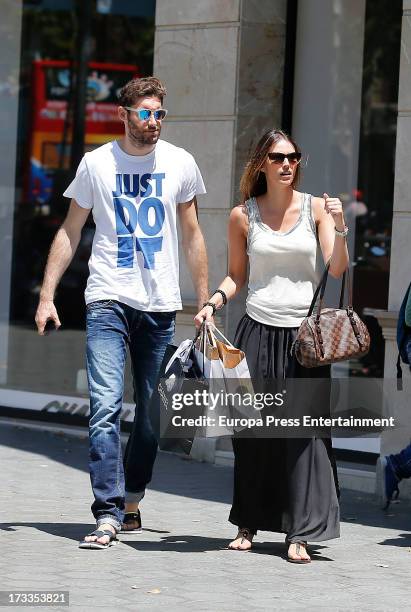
(218, 332)
(320, 290)
(200, 334)
(204, 329)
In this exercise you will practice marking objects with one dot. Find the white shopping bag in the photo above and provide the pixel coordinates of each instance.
(239, 387)
(208, 361)
(228, 376)
(233, 359)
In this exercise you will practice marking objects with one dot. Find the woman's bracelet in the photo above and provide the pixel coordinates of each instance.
(223, 295)
(213, 306)
(341, 233)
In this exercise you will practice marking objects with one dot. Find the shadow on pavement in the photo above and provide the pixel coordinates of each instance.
(177, 475)
(69, 531)
(183, 477)
(58, 446)
(364, 509)
(404, 540)
(193, 543)
(175, 543)
(190, 544)
(278, 549)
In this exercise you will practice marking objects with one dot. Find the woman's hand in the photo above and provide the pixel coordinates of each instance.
(205, 314)
(334, 207)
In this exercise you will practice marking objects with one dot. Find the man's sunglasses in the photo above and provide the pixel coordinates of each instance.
(279, 158)
(144, 114)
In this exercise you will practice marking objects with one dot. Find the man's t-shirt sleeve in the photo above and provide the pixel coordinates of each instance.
(192, 183)
(81, 188)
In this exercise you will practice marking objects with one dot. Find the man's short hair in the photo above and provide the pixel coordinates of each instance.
(145, 87)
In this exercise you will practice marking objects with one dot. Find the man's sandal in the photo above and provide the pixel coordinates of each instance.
(129, 518)
(299, 546)
(245, 534)
(99, 533)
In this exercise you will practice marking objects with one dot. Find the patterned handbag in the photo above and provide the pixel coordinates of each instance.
(330, 335)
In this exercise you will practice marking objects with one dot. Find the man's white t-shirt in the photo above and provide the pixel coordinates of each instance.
(134, 199)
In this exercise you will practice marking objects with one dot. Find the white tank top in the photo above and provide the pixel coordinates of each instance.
(283, 268)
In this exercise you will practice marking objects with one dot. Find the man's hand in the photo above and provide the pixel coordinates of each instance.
(46, 311)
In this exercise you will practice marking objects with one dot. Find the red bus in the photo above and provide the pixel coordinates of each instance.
(51, 86)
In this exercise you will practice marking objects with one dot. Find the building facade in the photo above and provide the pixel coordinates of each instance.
(335, 74)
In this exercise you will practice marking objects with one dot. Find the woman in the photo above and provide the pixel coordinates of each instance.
(284, 485)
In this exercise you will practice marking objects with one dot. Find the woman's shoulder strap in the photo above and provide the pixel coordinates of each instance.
(249, 206)
(252, 212)
(307, 211)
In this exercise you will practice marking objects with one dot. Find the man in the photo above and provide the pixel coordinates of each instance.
(135, 187)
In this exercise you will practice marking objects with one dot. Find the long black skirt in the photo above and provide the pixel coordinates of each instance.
(287, 485)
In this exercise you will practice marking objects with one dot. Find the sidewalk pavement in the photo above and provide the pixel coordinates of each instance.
(180, 562)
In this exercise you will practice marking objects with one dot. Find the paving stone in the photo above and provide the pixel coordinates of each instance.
(180, 561)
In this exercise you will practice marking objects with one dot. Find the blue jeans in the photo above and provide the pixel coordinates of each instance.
(111, 326)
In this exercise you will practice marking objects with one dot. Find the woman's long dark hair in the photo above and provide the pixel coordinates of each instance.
(253, 182)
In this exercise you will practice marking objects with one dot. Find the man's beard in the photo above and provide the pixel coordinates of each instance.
(142, 137)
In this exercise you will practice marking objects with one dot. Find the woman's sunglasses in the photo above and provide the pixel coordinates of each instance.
(279, 158)
(144, 114)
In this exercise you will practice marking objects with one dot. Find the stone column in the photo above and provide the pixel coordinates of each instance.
(400, 263)
(222, 63)
(259, 95)
(196, 54)
(400, 270)
(10, 34)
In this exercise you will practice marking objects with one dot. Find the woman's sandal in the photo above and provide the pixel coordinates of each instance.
(99, 533)
(298, 547)
(245, 534)
(132, 517)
